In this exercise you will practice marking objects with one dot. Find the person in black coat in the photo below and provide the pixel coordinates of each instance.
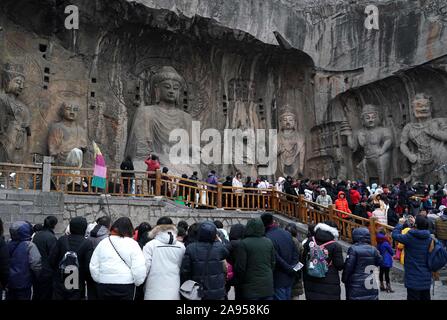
(76, 242)
(286, 255)
(361, 262)
(236, 235)
(45, 240)
(4, 261)
(203, 263)
(127, 165)
(327, 288)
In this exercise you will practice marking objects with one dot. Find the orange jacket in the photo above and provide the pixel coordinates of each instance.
(342, 205)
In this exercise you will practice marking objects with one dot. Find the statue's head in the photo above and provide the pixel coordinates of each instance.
(370, 116)
(168, 84)
(287, 120)
(422, 106)
(13, 78)
(69, 111)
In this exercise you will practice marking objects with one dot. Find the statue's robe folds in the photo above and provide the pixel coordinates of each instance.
(62, 139)
(150, 132)
(14, 129)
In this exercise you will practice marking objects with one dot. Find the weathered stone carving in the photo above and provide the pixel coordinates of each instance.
(291, 145)
(152, 124)
(423, 142)
(376, 142)
(67, 134)
(14, 116)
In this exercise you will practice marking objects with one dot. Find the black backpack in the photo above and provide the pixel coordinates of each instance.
(68, 264)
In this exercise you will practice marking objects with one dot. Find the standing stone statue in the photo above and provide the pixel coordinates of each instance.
(423, 142)
(291, 146)
(66, 134)
(376, 142)
(153, 124)
(14, 117)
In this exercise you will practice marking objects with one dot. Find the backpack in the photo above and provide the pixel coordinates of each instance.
(68, 265)
(317, 266)
(437, 256)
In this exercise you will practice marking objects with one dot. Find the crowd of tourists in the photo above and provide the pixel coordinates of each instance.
(261, 260)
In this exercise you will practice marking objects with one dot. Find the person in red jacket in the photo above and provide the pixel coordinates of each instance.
(342, 204)
(355, 197)
(153, 164)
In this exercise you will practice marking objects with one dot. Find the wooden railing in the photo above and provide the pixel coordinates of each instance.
(18, 176)
(191, 193)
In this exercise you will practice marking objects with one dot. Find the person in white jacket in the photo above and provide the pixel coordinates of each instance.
(163, 255)
(117, 264)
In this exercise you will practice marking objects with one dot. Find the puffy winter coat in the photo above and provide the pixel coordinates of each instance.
(4, 263)
(163, 255)
(286, 256)
(327, 288)
(358, 267)
(98, 234)
(107, 267)
(441, 227)
(24, 257)
(255, 262)
(380, 215)
(385, 249)
(355, 196)
(342, 205)
(417, 274)
(195, 267)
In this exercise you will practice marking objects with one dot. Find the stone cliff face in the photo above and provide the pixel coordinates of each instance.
(315, 56)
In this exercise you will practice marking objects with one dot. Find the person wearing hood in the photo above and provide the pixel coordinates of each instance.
(441, 227)
(203, 262)
(77, 243)
(327, 288)
(361, 261)
(255, 262)
(45, 240)
(355, 197)
(24, 261)
(324, 199)
(117, 265)
(163, 255)
(279, 185)
(4, 262)
(341, 204)
(286, 256)
(308, 195)
(387, 252)
(418, 276)
(236, 235)
(99, 233)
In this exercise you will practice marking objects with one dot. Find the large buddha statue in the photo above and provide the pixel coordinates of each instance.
(66, 134)
(376, 142)
(14, 117)
(291, 145)
(152, 124)
(424, 143)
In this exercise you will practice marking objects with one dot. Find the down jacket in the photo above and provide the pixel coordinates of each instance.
(359, 267)
(327, 288)
(342, 205)
(417, 242)
(255, 262)
(385, 249)
(25, 259)
(163, 255)
(195, 258)
(107, 267)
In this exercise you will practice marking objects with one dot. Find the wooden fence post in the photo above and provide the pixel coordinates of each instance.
(302, 209)
(219, 195)
(331, 212)
(274, 201)
(158, 182)
(372, 230)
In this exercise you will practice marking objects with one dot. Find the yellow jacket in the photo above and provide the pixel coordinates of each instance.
(401, 247)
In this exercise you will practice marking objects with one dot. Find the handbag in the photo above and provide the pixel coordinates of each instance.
(193, 290)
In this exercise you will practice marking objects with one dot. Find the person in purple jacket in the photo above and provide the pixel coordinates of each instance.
(386, 251)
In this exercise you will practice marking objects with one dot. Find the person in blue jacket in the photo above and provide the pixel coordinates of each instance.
(418, 277)
(361, 262)
(387, 252)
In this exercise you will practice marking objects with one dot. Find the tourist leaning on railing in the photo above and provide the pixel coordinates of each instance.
(324, 199)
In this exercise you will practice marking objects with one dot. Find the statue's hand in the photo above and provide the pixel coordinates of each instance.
(413, 158)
